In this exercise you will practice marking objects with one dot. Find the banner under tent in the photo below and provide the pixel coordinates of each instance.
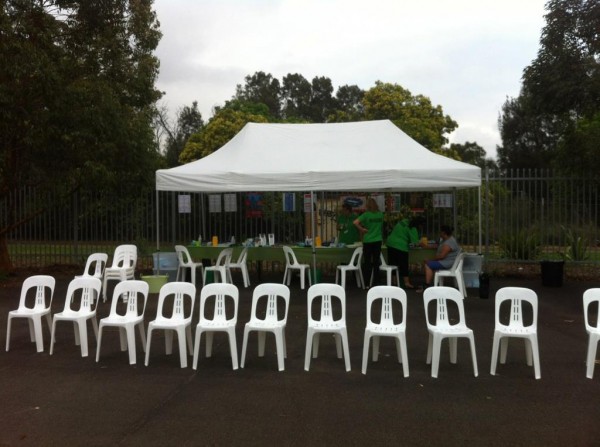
(369, 156)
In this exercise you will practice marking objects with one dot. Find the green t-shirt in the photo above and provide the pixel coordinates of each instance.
(373, 222)
(348, 231)
(402, 235)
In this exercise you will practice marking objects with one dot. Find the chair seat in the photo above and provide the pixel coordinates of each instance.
(328, 326)
(209, 325)
(517, 331)
(120, 320)
(378, 329)
(69, 314)
(269, 325)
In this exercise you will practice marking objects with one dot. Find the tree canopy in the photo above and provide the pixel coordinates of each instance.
(296, 100)
(559, 104)
(77, 98)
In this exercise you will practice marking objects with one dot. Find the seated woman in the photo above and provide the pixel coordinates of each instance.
(445, 256)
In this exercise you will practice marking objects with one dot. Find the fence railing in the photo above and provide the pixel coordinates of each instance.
(526, 215)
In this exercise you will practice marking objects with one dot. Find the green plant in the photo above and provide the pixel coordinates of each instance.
(522, 245)
(577, 246)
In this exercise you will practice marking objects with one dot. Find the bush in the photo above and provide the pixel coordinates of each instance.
(522, 245)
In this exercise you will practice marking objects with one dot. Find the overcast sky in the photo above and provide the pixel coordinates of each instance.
(465, 55)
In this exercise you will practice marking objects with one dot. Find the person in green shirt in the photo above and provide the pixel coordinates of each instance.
(348, 233)
(370, 226)
(403, 234)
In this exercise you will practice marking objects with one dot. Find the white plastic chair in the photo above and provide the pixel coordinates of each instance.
(271, 321)
(219, 322)
(123, 266)
(389, 271)
(40, 308)
(179, 321)
(327, 323)
(355, 266)
(591, 296)
(94, 267)
(241, 264)
(441, 327)
(291, 263)
(220, 267)
(456, 272)
(130, 291)
(88, 288)
(186, 262)
(516, 327)
(386, 326)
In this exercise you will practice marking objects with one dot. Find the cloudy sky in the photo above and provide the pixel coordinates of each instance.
(466, 55)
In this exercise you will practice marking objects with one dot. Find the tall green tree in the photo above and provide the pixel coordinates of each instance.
(77, 99)
(261, 88)
(296, 94)
(547, 125)
(472, 153)
(414, 114)
(189, 121)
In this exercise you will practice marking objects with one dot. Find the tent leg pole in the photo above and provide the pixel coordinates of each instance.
(313, 225)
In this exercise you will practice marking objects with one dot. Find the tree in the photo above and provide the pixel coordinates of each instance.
(472, 153)
(189, 121)
(322, 102)
(296, 93)
(221, 128)
(261, 88)
(349, 106)
(560, 95)
(76, 100)
(415, 115)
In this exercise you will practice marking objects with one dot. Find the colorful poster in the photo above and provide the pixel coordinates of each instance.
(254, 204)
(357, 202)
(289, 202)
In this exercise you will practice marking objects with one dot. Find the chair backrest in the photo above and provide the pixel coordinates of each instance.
(290, 256)
(388, 295)
(516, 295)
(41, 283)
(220, 291)
(181, 292)
(442, 295)
(89, 287)
(224, 257)
(356, 257)
(125, 256)
(97, 262)
(457, 266)
(183, 255)
(326, 292)
(242, 257)
(271, 291)
(382, 262)
(591, 296)
(130, 290)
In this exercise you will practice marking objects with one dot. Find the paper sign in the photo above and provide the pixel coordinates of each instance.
(184, 203)
(214, 203)
(230, 202)
(442, 200)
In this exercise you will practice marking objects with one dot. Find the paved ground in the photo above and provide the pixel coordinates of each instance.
(68, 400)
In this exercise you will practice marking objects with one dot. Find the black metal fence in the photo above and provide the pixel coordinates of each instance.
(525, 215)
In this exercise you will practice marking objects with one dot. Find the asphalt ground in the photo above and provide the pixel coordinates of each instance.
(67, 400)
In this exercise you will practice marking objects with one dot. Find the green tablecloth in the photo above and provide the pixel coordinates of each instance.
(334, 255)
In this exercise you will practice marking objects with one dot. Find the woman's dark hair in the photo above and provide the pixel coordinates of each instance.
(416, 222)
(447, 229)
(347, 206)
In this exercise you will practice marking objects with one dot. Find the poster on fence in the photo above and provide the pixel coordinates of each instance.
(442, 200)
(214, 203)
(184, 203)
(289, 202)
(254, 204)
(230, 203)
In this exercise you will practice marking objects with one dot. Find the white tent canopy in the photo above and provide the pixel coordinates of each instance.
(358, 156)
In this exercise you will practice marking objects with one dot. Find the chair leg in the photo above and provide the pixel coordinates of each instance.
(188, 333)
(278, 333)
(39, 336)
(233, 348)
(51, 337)
(182, 347)
(453, 346)
(262, 335)
(346, 349)
(591, 356)
(404, 353)
(365, 359)
(99, 342)
(168, 342)
(148, 343)
(473, 355)
(209, 342)
(503, 349)
(76, 333)
(244, 346)
(8, 333)
(83, 341)
(376, 340)
(494, 354)
(435, 362)
(536, 357)
(197, 348)
(307, 353)
(130, 331)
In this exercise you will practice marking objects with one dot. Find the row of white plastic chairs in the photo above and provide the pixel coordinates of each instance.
(86, 289)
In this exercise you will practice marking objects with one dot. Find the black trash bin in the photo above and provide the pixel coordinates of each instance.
(484, 286)
(552, 273)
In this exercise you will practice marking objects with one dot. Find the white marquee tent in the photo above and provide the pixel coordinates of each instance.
(357, 156)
